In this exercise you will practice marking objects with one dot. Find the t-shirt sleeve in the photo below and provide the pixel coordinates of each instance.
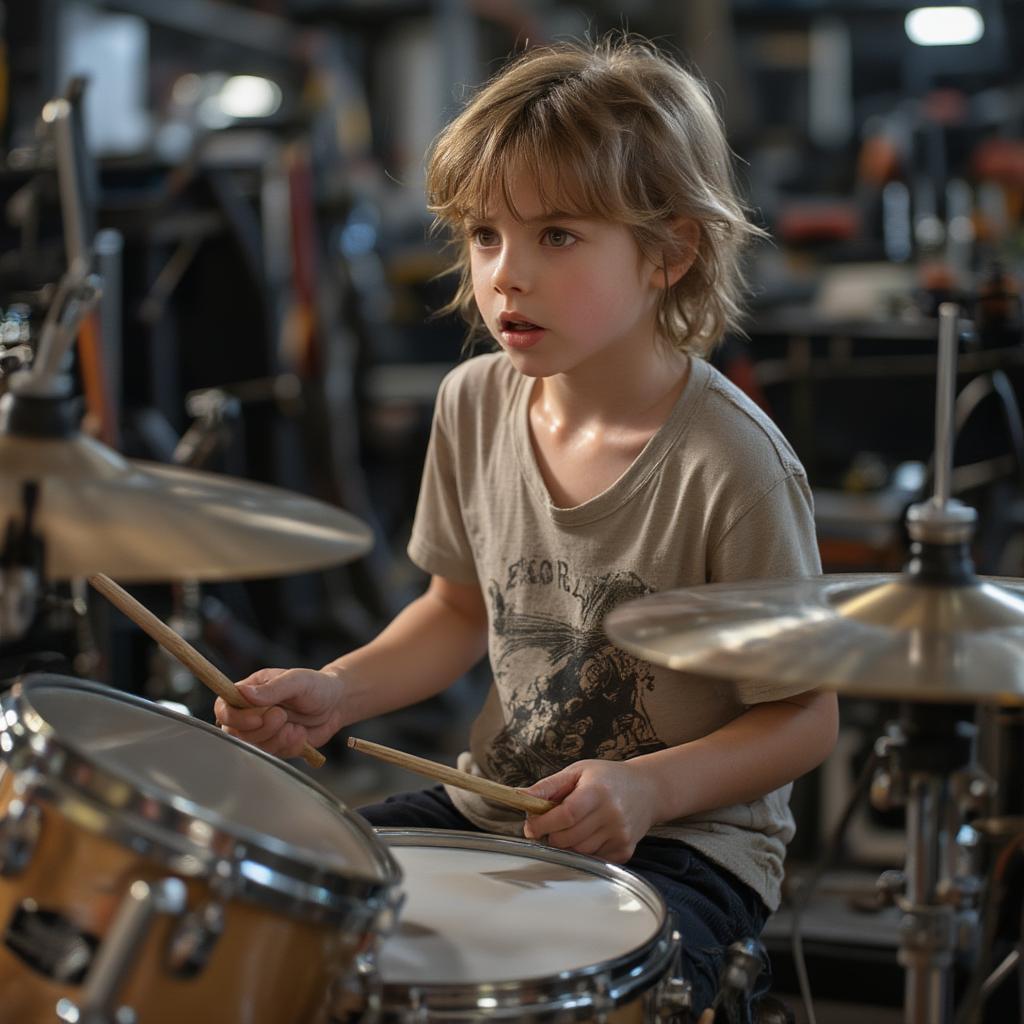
(773, 539)
(439, 543)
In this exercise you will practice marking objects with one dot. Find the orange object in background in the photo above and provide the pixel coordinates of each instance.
(100, 420)
(879, 161)
(1000, 160)
(821, 221)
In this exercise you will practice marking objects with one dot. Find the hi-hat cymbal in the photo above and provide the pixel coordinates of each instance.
(140, 521)
(879, 636)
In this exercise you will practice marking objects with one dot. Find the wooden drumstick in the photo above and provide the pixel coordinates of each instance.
(500, 794)
(205, 671)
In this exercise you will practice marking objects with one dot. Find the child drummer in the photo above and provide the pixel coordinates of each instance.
(593, 458)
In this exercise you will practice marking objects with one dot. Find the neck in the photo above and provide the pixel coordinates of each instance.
(620, 389)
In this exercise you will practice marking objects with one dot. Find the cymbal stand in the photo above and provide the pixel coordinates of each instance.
(21, 565)
(928, 758)
(78, 289)
(927, 768)
(37, 402)
(75, 294)
(216, 414)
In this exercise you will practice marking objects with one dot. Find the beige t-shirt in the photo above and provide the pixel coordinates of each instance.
(717, 494)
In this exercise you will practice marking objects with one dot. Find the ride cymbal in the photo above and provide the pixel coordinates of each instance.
(885, 636)
(146, 522)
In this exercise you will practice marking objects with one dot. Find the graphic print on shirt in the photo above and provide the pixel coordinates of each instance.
(587, 700)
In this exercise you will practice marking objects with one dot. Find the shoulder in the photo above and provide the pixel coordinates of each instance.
(740, 431)
(757, 504)
(749, 472)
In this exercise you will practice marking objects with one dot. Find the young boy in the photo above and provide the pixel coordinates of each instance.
(595, 458)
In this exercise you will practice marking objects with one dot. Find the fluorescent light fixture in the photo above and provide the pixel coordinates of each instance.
(944, 26)
(249, 96)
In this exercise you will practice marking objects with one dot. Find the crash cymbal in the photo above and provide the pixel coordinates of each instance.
(879, 636)
(140, 521)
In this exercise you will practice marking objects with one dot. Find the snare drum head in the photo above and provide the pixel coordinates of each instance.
(199, 771)
(490, 910)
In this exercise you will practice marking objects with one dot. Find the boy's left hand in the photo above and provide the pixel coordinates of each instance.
(605, 808)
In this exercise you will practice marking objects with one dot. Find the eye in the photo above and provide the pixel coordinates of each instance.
(483, 237)
(559, 238)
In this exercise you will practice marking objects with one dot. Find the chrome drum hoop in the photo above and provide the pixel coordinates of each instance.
(569, 995)
(188, 839)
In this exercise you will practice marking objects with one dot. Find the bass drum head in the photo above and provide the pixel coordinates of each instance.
(192, 773)
(526, 928)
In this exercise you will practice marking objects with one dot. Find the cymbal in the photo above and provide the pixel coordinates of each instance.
(141, 521)
(885, 636)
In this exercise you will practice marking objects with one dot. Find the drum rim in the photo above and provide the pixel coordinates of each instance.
(625, 977)
(283, 873)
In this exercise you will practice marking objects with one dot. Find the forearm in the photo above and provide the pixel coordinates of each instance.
(766, 747)
(425, 648)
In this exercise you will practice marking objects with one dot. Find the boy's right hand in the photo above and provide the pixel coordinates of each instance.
(291, 707)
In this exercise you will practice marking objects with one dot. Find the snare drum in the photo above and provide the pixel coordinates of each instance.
(153, 868)
(506, 929)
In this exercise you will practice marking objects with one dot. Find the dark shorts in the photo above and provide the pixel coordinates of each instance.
(710, 907)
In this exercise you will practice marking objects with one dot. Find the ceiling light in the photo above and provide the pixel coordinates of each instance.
(944, 26)
(249, 96)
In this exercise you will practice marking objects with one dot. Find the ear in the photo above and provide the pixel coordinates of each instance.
(687, 232)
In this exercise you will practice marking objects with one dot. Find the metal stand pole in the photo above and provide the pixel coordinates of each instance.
(927, 929)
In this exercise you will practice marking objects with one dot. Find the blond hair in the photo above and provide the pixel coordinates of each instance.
(616, 131)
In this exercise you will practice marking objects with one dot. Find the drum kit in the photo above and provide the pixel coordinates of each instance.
(154, 869)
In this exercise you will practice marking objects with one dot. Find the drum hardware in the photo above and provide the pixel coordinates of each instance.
(168, 678)
(151, 854)
(193, 941)
(19, 834)
(215, 414)
(117, 952)
(417, 1012)
(934, 634)
(20, 565)
(50, 943)
(744, 962)
(204, 670)
(601, 1003)
(356, 997)
(88, 660)
(466, 946)
(14, 358)
(76, 294)
(99, 512)
(941, 890)
(78, 290)
(672, 999)
(16, 326)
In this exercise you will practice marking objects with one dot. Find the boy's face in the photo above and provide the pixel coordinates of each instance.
(560, 292)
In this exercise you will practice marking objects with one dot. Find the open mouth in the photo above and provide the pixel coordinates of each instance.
(518, 326)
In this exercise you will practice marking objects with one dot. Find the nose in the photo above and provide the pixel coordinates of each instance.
(511, 273)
